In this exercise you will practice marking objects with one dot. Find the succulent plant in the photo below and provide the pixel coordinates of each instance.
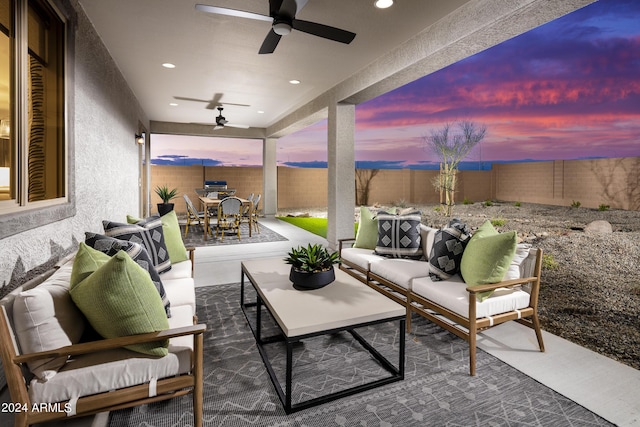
(312, 259)
(165, 194)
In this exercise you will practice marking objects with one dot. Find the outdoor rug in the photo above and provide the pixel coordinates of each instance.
(196, 236)
(437, 390)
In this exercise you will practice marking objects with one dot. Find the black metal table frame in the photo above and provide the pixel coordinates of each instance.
(397, 373)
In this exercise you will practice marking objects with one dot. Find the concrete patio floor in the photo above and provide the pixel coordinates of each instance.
(602, 385)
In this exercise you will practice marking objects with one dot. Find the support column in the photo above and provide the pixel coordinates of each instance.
(269, 177)
(341, 172)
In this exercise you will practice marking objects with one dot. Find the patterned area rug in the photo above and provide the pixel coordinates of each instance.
(196, 236)
(437, 389)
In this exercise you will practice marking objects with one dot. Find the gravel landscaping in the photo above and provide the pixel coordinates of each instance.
(590, 291)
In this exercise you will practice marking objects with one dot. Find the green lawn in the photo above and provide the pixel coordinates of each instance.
(317, 226)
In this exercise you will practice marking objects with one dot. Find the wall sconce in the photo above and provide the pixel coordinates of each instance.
(139, 139)
(5, 129)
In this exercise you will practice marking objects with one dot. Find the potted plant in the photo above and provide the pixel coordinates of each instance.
(311, 266)
(166, 195)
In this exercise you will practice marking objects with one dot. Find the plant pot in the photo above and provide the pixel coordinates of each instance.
(164, 208)
(304, 281)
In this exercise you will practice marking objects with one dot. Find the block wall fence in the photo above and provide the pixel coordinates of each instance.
(613, 182)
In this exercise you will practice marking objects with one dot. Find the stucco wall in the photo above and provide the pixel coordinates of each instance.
(104, 120)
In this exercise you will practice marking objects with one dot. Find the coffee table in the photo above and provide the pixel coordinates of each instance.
(344, 305)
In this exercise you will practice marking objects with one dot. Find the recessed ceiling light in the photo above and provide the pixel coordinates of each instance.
(173, 104)
(260, 112)
(383, 4)
(168, 65)
(294, 82)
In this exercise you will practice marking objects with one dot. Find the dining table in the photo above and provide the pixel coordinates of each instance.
(210, 202)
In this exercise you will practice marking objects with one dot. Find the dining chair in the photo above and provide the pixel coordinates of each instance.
(229, 216)
(193, 216)
(253, 221)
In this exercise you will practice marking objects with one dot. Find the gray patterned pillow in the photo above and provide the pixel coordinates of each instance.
(111, 246)
(148, 233)
(448, 247)
(399, 235)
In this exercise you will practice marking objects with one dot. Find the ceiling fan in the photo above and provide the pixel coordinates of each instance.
(221, 122)
(282, 16)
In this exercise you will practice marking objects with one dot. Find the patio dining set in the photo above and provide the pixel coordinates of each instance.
(223, 213)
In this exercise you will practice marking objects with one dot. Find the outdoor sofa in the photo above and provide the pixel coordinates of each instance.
(60, 366)
(511, 293)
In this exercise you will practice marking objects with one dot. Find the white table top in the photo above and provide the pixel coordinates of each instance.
(345, 302)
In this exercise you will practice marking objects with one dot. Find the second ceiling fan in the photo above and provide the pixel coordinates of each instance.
(282, 16)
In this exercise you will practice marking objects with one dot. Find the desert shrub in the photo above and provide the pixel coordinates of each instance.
(467, 201)
(549, 262)
(603, 207)
(438, 209)
(487, 203)
(575, 204)
(498, 222)
(402, 203)
(517, 204)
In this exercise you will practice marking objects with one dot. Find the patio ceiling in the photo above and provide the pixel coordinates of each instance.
(216, 56)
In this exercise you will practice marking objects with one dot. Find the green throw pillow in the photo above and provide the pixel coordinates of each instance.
(86, 261)
(487, 256)
(367, 235)
(119, 299)
(172, 236)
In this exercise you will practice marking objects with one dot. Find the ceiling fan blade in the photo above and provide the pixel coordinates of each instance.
(218, 127)
(214, 102)
(324, 31)
(231, 125)
(184, 98)
(232, 12)
(270, 42)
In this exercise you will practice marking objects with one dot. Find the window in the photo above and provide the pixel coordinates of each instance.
(33, 148)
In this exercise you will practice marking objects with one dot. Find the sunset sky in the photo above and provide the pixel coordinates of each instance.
(567, 90)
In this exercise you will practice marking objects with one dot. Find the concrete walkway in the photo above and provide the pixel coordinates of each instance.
(602, 385)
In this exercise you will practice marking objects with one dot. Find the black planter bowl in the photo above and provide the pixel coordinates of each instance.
(164, 208)
(304, 281)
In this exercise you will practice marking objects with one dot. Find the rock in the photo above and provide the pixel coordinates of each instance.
(299, 215)
(599, 226)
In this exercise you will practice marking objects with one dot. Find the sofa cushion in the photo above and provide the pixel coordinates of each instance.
(452, 294)
(119, 299)
(181, 292)
(109, 370)
(45, 318)
(447, 249)
(367, 234)
(360, 257)
(400, 271)
(399, 235)
(516, 268)
(487, 257)
(149, 233)
(427, 234)
(111, 246)
(181, 270)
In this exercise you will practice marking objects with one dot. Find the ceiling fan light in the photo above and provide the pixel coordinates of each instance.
(281, 28)
(383, 4)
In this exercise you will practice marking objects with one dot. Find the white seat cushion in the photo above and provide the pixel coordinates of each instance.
(452, 294)
(179, 270)
(400, 271)
(115, 369)
(360, 257)
(180, 292)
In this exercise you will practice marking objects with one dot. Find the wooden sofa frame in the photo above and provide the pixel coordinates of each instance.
(110, 401)
(463, 327)
(14, 365)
